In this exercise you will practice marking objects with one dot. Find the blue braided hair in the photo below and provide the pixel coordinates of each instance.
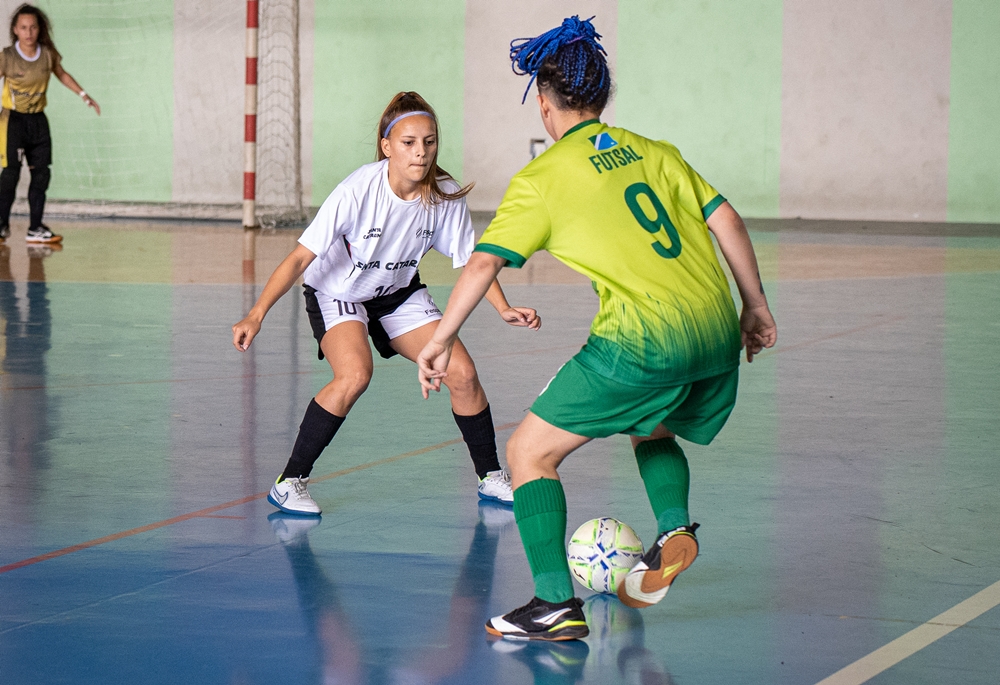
(569, 61)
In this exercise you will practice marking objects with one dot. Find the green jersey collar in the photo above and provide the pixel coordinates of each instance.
(576, 128)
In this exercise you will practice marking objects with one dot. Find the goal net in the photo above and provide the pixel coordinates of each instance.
(279, 148)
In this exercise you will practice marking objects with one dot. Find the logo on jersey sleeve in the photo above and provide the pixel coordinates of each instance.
(603, 141)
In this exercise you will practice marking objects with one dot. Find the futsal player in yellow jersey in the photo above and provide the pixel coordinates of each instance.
(26, 65)
(663, 354)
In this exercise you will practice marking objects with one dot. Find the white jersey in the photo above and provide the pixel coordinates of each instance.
(368, 242)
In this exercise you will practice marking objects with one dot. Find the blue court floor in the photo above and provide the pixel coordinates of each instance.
(847, 509)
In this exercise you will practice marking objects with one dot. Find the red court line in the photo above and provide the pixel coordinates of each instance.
(208, 511)
(158, 381)
(841, 334)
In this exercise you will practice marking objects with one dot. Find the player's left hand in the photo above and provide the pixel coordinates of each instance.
(525, 317)
(757, 330)
(432, 365)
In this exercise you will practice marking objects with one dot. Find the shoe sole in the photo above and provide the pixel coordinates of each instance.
(571, 633)
(293, 511)
(44, 241)
(491, 498)
(677, 554)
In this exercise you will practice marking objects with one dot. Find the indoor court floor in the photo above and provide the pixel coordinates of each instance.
(849, 510)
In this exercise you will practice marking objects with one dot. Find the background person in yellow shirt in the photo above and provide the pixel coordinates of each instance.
(663, 355)
(24, 130)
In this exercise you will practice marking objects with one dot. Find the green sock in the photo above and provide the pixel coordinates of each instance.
(664, 471)
(540, 512)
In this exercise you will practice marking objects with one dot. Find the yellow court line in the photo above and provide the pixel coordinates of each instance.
(882, 659)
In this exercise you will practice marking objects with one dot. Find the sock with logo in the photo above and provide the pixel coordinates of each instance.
(315, 432)
(664, 471)
(481, 439)
(540, 512)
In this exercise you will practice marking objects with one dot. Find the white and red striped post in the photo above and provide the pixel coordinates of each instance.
(250, 120)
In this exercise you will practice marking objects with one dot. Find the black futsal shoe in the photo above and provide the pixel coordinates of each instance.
(42, 234)
(541, 620)
(4, 231)
(648, 581)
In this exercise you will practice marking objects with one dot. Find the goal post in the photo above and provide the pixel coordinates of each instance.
(250, 119)
(272, 174)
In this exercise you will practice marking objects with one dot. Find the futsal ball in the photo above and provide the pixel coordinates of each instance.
(601, 552)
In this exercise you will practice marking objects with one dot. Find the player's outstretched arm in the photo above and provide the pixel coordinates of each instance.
(757, 327)
(477, 277)
(515, 316)
(70, 82)
(277, 285)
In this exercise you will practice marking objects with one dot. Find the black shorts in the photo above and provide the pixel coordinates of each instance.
(375, 308)
(29, 132)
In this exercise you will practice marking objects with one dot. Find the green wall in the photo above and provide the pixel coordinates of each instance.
(367, 52)
(121, 53)
(706, 76)
(974, 133)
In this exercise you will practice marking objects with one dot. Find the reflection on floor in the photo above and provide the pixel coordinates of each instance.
(850, 499)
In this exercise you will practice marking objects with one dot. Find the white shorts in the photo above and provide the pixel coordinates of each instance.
(418, 310)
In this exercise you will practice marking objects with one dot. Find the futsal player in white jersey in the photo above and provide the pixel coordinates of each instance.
(359, 259)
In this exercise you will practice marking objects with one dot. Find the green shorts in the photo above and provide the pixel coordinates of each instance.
(586, 403)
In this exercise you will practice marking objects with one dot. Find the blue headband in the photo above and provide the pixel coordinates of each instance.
(403, 116)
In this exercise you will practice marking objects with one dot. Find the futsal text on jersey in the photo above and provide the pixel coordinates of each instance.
(613, 159)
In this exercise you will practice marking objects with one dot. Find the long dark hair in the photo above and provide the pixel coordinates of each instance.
(569, 63)
(430, 189)
(44, 30)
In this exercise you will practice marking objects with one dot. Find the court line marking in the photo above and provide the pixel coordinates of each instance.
(831, 336)
(207, 511)
(910, 643)
(158, 381)
(907, 621)
(128, 593)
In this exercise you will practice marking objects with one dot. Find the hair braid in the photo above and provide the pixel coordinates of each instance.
(567, 60)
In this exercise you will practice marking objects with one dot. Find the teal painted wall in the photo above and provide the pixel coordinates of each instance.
(121, 52)
(367, 52)
(707, 77)
(974, 133)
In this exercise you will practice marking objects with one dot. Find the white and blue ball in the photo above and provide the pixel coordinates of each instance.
(601, 552)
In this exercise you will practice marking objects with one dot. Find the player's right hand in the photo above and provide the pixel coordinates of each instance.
(432, 365)
(244, 332)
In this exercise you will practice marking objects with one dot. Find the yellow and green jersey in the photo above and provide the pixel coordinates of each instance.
(628, 213)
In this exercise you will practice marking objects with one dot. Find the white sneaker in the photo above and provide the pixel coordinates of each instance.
(496, 486)
(289, 528)
(291, 496)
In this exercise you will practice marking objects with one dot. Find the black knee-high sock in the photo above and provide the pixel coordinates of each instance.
(315, 432)
(40, 177)
(478, 433)
(8, 186)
